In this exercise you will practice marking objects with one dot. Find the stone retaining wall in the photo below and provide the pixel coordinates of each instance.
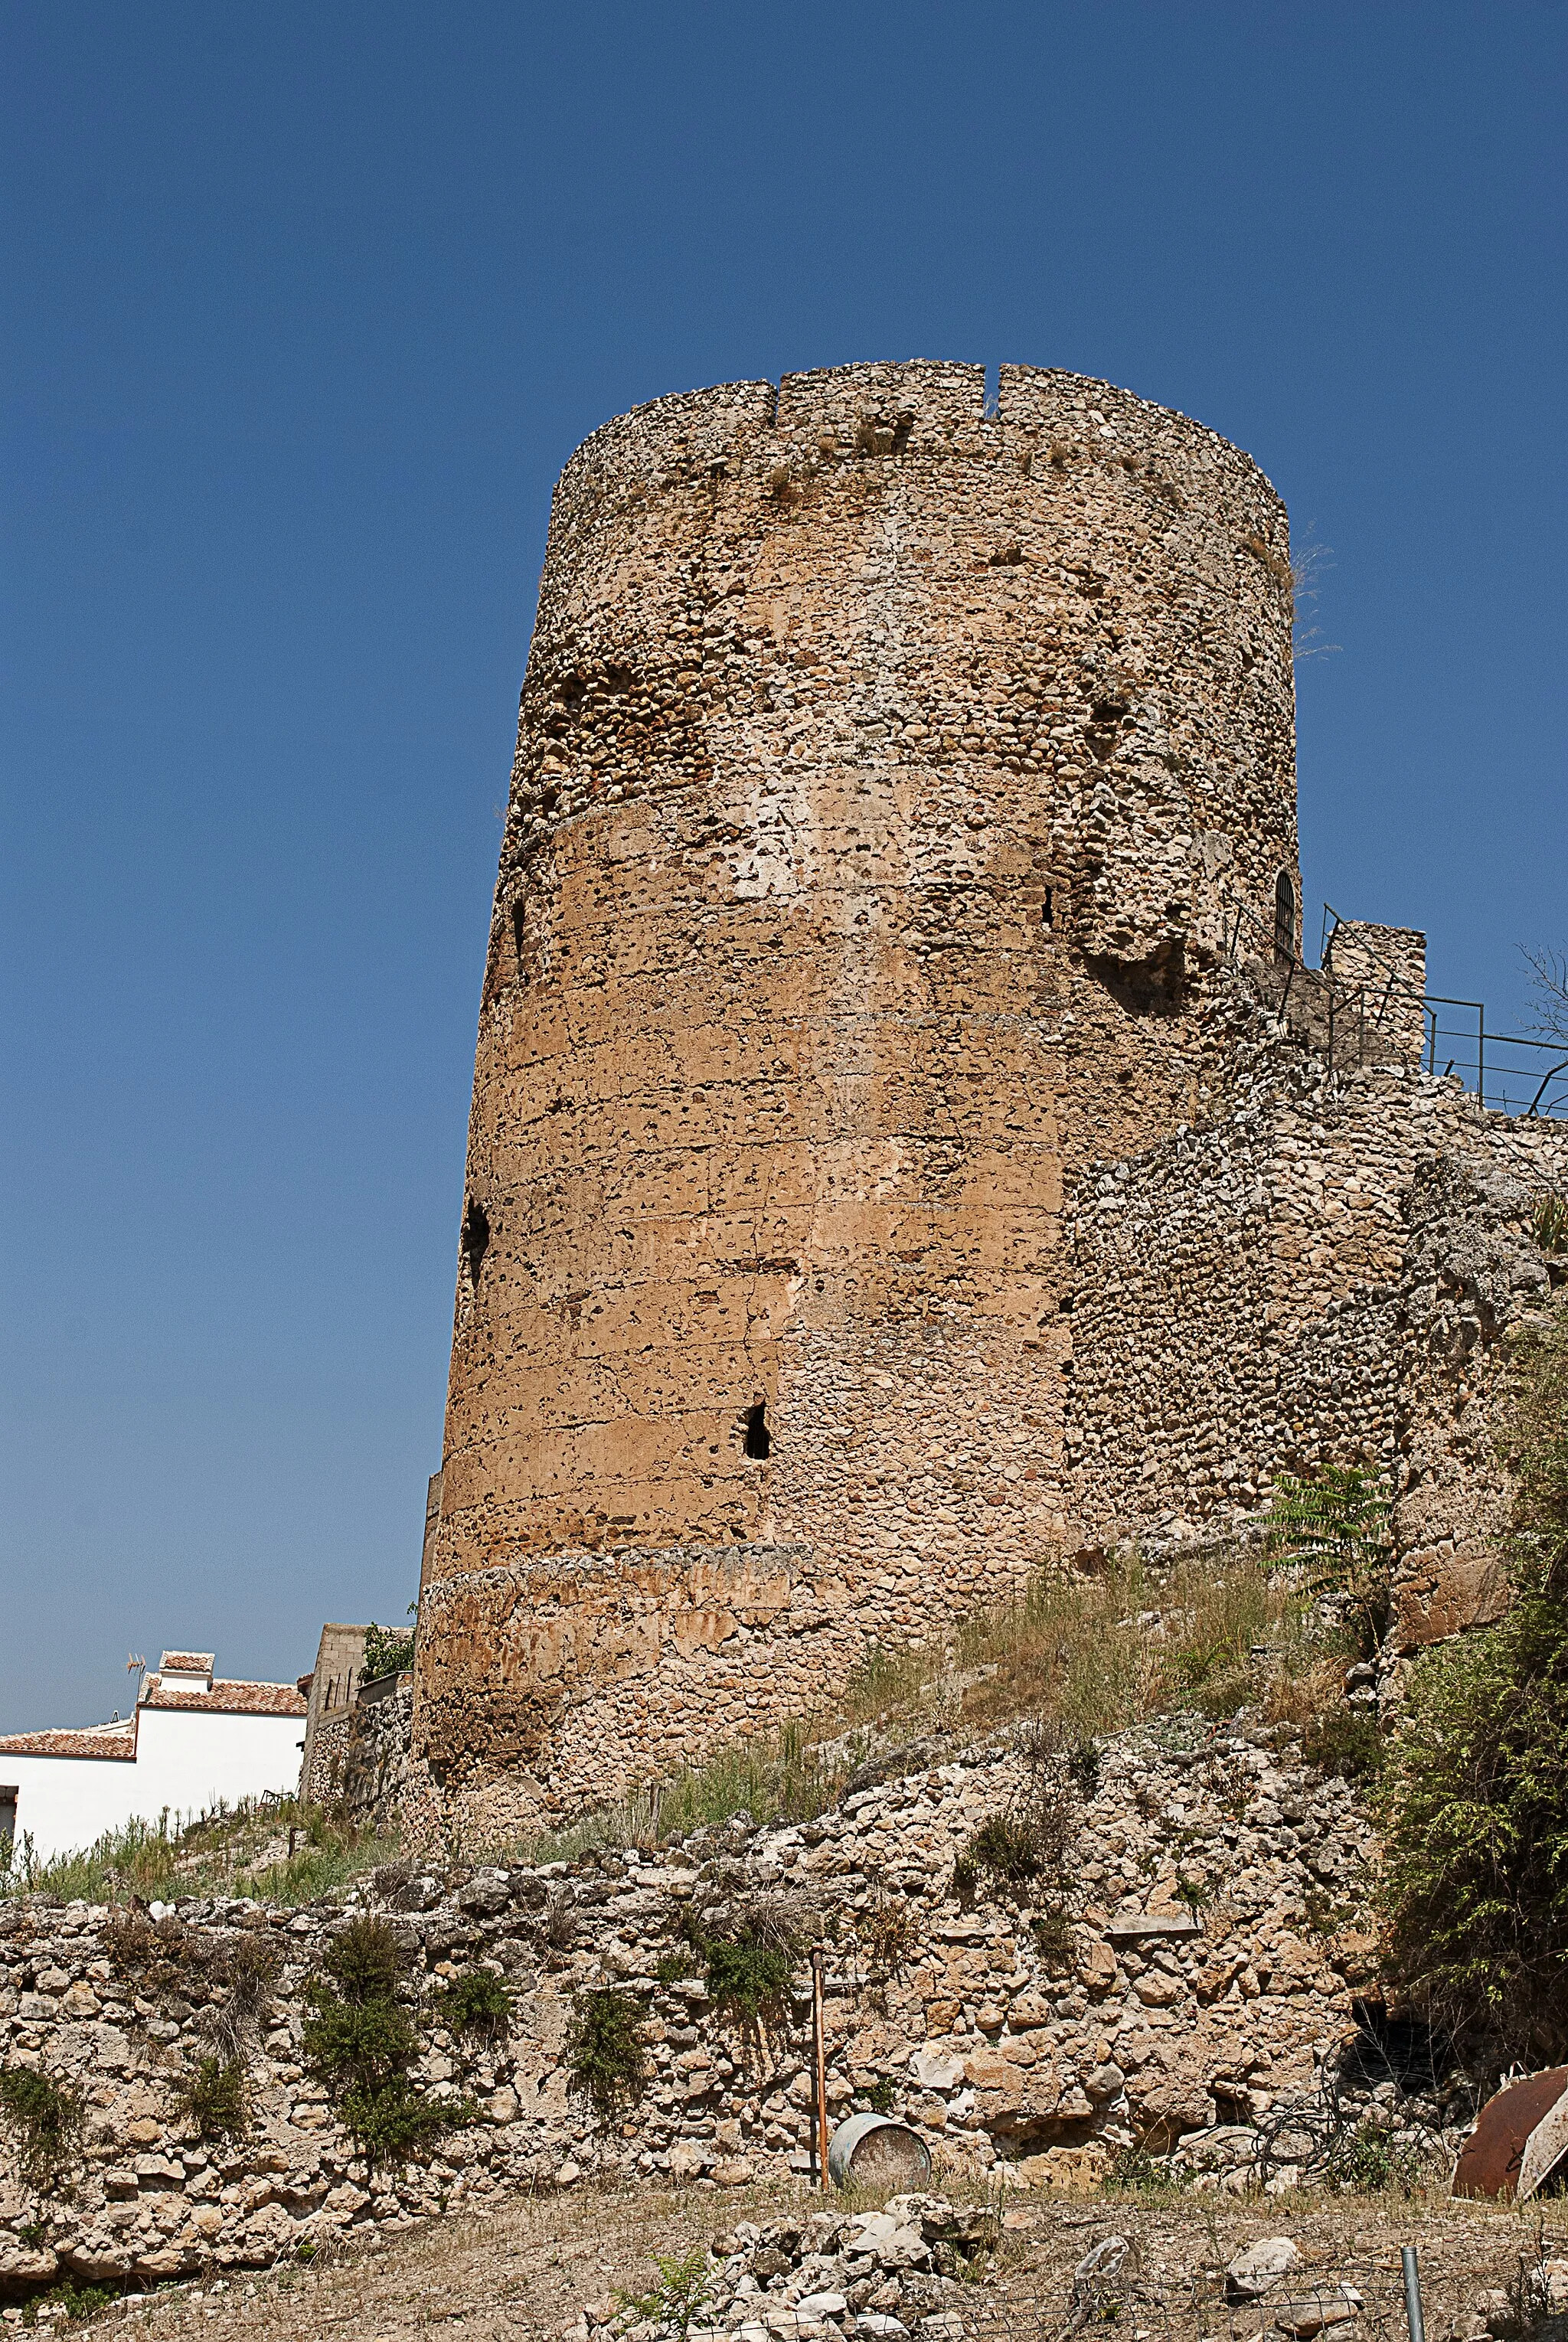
(1153, 2026)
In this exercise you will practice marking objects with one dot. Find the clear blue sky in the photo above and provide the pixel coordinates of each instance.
(305, 307)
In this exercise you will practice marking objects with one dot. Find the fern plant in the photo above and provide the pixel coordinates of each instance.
(1335, 1529)
(675, 2303)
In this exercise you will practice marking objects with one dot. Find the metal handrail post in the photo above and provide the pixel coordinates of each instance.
(1481, 1051)
(1412, 2317)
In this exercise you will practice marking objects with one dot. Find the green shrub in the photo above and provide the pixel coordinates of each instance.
(362, 2043)
(359, 2046)
(213, 2097)
(1366, 2161)
(479, 2002)
(365, 1962)
(673, 1968)
(748, 1980)
(605, 2058)
(389, 2126)
(1005, 1847)
(44, 2117)
(1134, 2172)
(74, 2301)
(749, 1963)
(1474, 1808)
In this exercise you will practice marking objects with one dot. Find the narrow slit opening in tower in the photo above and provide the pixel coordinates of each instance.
(759, 1442)
(475, 1237)
(1045, 909)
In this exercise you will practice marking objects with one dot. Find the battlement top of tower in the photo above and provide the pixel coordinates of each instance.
(918, 407)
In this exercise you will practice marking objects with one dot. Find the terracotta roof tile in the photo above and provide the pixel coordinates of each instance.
(226, 1698)
(112, 1743)
(189, 1663)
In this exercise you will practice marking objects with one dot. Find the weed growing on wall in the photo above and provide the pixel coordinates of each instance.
(749, 1959)
(605, 2060)
(479, 2003)
(363, 2044)
(888, 1935)
(1056, 1939)
(45, 2119)
(1475, 1807)
(214, 2098)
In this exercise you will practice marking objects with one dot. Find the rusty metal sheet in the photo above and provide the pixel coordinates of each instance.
(1491, 2158)
(1544, 2150)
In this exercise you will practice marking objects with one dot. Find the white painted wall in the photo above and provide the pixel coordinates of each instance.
(184, 1762)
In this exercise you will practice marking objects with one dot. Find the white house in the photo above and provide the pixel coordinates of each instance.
(192, 1740)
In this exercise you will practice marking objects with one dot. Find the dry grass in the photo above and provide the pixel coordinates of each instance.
(286, 1852)
(524, 2270)
(1088, 1655)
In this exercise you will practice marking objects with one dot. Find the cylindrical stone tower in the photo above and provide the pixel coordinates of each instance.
(887, 771)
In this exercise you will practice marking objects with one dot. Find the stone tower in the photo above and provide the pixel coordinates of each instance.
(888, 767)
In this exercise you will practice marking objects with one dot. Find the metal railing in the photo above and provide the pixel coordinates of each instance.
(1506, 1070)
(1339, 1019)
(1510, 1072)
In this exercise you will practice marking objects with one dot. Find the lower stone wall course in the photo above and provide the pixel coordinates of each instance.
(1003, 2057)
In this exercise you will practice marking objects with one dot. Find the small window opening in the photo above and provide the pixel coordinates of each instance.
(759, 1440)
(1284, 916)
(1045, 909)
(475, 1237)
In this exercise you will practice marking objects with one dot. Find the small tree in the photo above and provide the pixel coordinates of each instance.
(1335, 1529)
(388, 1650)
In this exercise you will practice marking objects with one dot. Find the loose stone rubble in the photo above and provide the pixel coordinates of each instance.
(884, 2275)
(1159, 2023)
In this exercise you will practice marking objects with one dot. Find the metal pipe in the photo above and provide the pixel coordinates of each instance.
(819, 2057)
(1541, 1092)
(1481, 1051)
(1412, 2317)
